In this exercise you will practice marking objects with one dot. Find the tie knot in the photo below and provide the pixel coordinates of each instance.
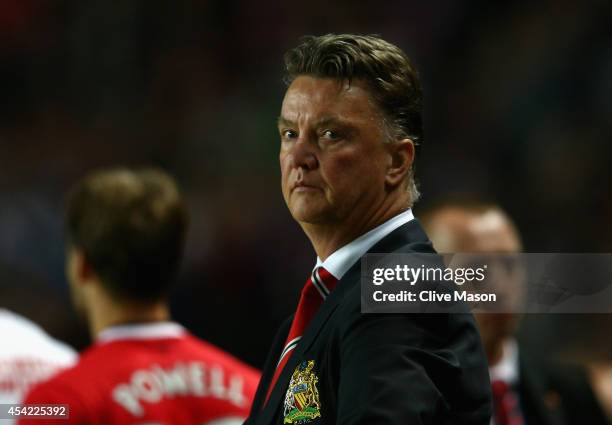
(321, 280)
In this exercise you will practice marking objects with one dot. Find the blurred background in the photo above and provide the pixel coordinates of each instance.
(518, 110)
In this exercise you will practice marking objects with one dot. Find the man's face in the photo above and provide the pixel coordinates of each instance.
(332, 156)
(456, 230)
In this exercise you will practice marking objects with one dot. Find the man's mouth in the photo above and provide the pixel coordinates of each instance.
(303, 187)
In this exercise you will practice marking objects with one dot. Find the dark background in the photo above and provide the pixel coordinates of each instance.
(518, 110)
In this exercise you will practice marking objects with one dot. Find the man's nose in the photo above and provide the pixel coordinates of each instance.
(303, 153)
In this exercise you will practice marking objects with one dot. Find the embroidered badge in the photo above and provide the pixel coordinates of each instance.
(302, 398)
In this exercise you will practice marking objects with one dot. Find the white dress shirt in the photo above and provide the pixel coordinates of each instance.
(343, 259)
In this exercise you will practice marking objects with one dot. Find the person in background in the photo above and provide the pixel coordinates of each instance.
(125, 235)
(526, 390)
(348, 126)
(28, 355)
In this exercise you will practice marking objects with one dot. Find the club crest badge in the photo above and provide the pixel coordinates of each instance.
(302, 403)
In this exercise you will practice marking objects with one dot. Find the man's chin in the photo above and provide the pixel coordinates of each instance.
(309, 216)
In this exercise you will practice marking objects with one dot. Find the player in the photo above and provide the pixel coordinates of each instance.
(27, 356)
(126, 231)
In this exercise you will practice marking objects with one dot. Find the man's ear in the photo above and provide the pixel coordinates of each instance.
(78, 269)
(401, 154)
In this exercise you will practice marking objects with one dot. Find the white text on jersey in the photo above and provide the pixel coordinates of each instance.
(182, 379)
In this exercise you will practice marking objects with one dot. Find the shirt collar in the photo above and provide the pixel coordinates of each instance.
(343, 259)
(155, 330)
(507, 369)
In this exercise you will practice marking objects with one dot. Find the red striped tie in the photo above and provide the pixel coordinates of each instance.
(317, 288)
(505, 404)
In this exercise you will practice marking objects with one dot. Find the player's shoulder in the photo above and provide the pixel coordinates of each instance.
(91, 364)
(62, 387)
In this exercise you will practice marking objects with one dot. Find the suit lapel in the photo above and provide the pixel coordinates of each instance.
(312, 331)
(409, 233)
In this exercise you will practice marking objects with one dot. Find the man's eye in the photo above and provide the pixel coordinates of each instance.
(331, 135)
(288, 134)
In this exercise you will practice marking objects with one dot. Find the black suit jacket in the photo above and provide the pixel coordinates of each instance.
(540, 401)
(560, 395)
(382, 368)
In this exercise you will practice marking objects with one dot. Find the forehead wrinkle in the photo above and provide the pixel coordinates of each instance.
(325, 100)
(280, 121)
(332, 119)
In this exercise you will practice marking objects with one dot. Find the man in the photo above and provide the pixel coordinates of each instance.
(126, 232)
(526, 390)
(28, 355)
(349, 123)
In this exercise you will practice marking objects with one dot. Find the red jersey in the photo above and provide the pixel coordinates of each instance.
(150, 374)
